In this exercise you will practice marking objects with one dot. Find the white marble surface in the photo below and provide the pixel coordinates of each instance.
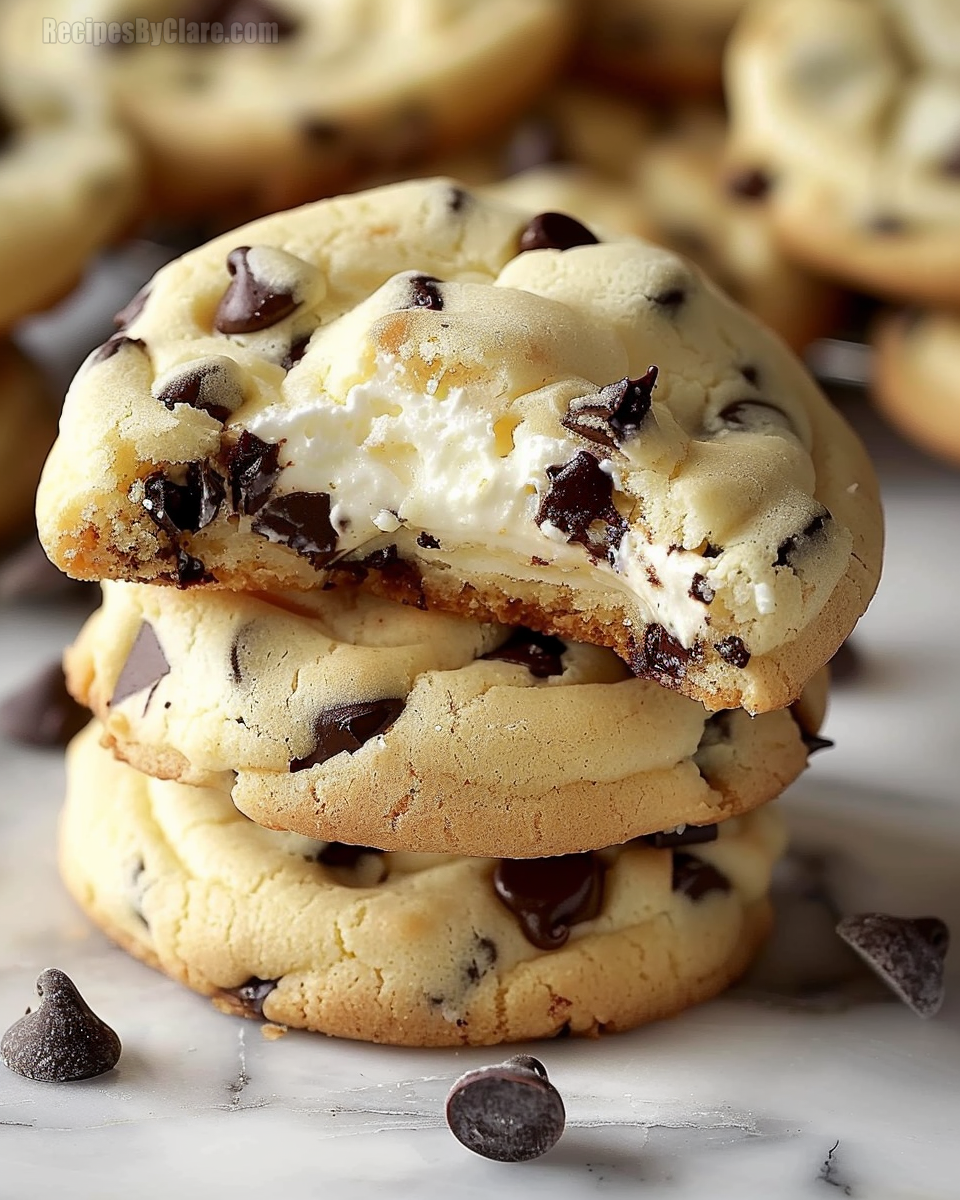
(766, 1093)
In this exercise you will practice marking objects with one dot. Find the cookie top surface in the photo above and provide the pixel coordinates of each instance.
(851, 110)
(350, 717)
(592, 435)
(420, 949)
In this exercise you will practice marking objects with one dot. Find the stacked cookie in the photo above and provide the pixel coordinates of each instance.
(488, 538)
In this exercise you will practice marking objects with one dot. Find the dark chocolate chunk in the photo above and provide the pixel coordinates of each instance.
(340, 854)
(249, 305)
(347, 728)
(789, 546)
(711, 551)
(689, 835)
(184, 507)
(732, 650)
(580, 495)
(252, 468)
(670, 298)
(750, 374)
(457, 198)
(695, 878)
(749, 183)
(615, 413)
(548, 895)
(427, 541)
(298, 348)
(814, 742)
(907, 953)
(63, 1039)
(701, 590)
(146, 665)
(425, 292)
(189, 570)
(540, 653)
(300, 520)
(244, 12)
(210, 387)
(483, 959)
(113, 346)
(555, 231)
(252, 994)
(132, 309)
(510, 1112)
(662, 657)
(42, 712)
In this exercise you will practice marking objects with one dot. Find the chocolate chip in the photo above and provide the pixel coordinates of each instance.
(555, 231)
(750, 374)
(425, 292)
(252, 468)
(300, 520)
(732, 650)
(348, 727)
(129, 313)
(711, 551)
(244, 12)
(670, 298)
(184, 507)
(750, 183)
(548, 895)
(190, 570)
(701, 590)
(789, 546)
(483, 960)
(63, 1039)
(615, 413)
(907, 953)
(146, 665)
(427, 541)
(662, 657)
(457, 198)
(339, 854)
(754, 416)
(113, 346)
(580, 495)
(814, 742)
(510, 1112)
(252, 994)
(538, 652)
(695, 878)
(210, 387)
(42, 712)
(249, 304)
(298, 348)
(689, 835)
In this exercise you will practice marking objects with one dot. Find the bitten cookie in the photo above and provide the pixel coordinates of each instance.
(478, 409)
(916, 378)
(355, 719)
(846, 128)
(300, 99)
(419, 950)
(28, 425)
(69, 182)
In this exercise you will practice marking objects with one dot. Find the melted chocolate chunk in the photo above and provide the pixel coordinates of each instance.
(615, 413)
(249, 305)
(555, 231)
(300, 520)
(252, 994)
(789, 546)
(425, 292)
(732, 650)
(244, 12)
(508, 1113)
(580, 495)
(252, 468)
(184, 507)
(695, 878)
(42, 712)
(711, 551)
(63, 1039)
(347, 728)
(129, 313)
(298, 348)
(146, 665)
(210, 387)
(750, 183)
(662, 658)
(548, 895)
(538, 652)
(113, 346)
(339, 854)
(690, 835)
(427, 541)
(701, 590)
(907, 953)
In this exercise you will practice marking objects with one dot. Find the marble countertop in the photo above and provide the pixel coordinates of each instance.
(807, 1081)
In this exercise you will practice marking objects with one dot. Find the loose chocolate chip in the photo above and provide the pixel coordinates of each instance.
(689, 835)
(243, 12)
(789, 546)
(146, 665)
(184, 507)
(425, 292)
(252, 468)
(129, 313)
(732, 650)
(750, 183)
(249, 304)
(581, 494)
(427, 541)
(538, 652)
(907, 953)
(615, 413)
(347, 728)
(555, 231)
(210, 387)
(510, 1112)
(252, 995)
(339, 854)
(42, 712)
(298, 348)
(300, 520)
(701, 590)
(63, 1039)
(662, 657)
(695, 878)
(548, 895)
(113, 346)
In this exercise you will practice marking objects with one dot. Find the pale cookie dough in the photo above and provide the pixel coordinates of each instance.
(916, 378)
(69, 183)
(352, 718)
(590, 441)
(419, 950)
(846, 128)
(28, 425)
(672, 47)
(349, 87)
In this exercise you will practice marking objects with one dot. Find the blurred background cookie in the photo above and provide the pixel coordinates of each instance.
(28, 425)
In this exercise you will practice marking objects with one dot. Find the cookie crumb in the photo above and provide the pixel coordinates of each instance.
(274, 1032)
